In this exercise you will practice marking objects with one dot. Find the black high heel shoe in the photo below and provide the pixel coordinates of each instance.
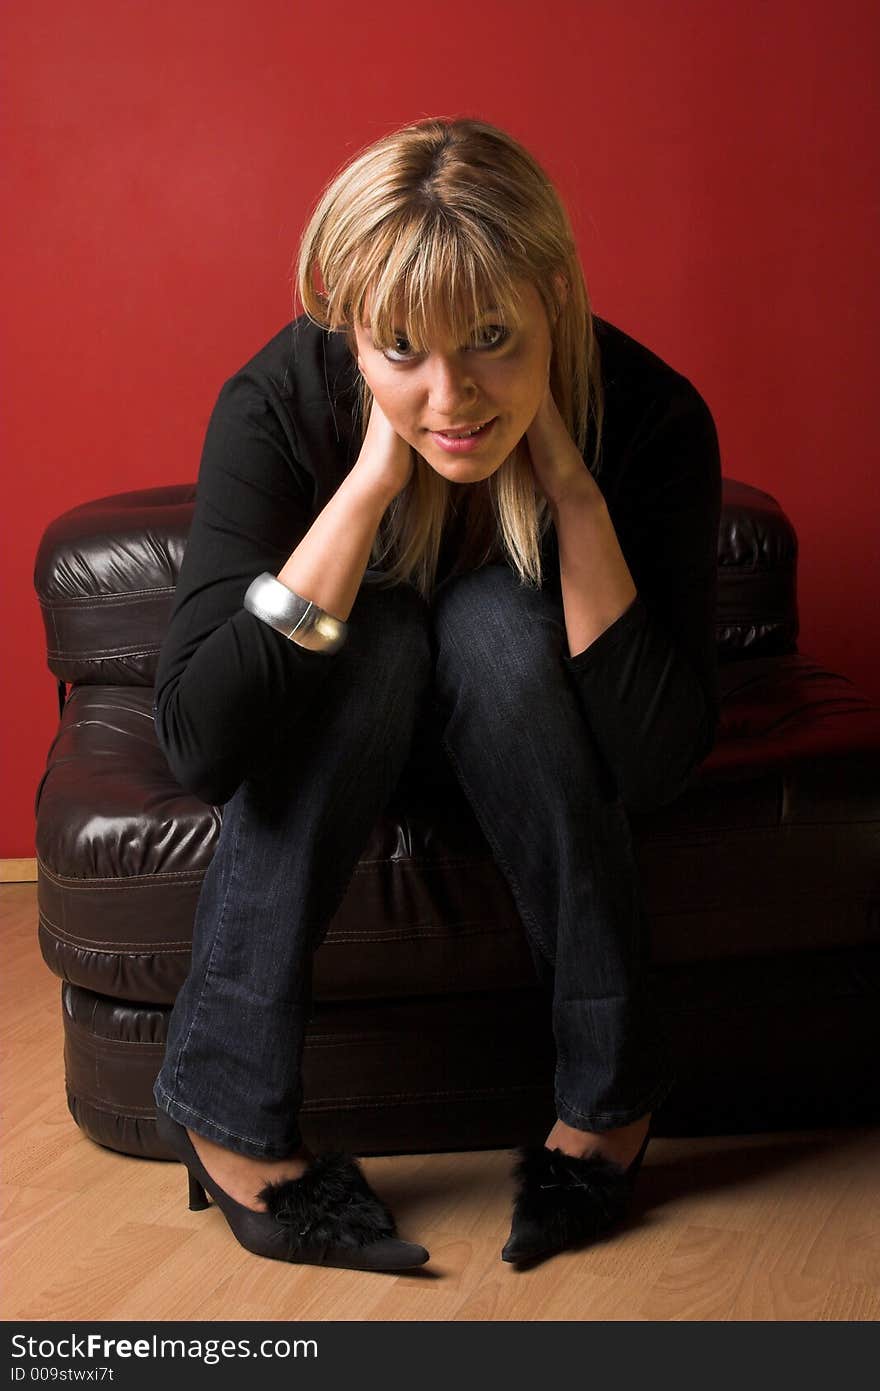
(563, 1202)
(329, 1216)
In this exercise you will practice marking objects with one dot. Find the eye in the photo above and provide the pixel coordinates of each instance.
(401, 357)
(501, 335)
(496, 329)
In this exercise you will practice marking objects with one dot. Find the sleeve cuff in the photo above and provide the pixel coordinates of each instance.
(611, 637)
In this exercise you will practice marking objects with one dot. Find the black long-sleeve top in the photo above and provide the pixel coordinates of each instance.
(279, 442)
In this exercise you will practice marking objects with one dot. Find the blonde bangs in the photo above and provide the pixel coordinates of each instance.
(425, 276)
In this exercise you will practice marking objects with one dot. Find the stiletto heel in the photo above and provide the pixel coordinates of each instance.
(329, 1216)
(197, 1198)
(563, 1202)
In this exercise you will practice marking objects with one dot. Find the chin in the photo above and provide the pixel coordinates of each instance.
(464, 470)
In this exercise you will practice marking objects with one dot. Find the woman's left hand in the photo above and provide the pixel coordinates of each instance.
(557, 463)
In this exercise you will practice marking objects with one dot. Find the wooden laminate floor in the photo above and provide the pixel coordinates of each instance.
(765, 1227)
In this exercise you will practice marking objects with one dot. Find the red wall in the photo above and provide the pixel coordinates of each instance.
(719, 159)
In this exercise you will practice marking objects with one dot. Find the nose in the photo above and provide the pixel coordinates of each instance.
(451, 386)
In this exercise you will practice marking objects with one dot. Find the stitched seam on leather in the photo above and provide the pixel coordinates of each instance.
(161, 879)
(87, 1031)
(109, 947)
(103, 654)
(95, 601)
(422, 931)
(137, 1114)
(415, 933)
(417, 1098)
(346, 1040)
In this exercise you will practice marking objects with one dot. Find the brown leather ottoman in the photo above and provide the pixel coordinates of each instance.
(430, 1031)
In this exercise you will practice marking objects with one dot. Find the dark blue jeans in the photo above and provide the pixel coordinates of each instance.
(482, 660)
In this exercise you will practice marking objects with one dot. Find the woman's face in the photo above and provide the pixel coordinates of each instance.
(499, 376)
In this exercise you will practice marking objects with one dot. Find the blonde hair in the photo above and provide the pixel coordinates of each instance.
(438, 219)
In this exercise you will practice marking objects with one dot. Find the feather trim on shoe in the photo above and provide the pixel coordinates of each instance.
(568, 1200)
(332, 1204)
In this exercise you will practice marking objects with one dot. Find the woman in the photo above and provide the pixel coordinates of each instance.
(544, 590)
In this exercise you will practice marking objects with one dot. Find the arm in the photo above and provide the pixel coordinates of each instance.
(225, 679)
(597, 586)
(639, 582)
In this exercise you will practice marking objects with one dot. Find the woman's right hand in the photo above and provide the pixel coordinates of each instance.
(385, 457)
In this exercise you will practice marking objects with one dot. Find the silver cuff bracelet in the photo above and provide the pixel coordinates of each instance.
(298, 619)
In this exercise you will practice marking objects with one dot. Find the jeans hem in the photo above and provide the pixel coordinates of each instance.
(599, 1121)
(242, 1144)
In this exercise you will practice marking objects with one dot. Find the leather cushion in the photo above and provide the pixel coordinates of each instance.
(773, 848)
(105, 574)
(783, 1042)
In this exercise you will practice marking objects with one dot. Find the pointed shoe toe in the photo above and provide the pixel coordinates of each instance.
(392, 1253)
(527, 1241)
(562, 1202)
(328, 1216)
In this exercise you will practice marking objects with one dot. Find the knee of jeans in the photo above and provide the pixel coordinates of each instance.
(493, 599)
(376, 595)
(464, 596)
(389, 628)
(505, 642)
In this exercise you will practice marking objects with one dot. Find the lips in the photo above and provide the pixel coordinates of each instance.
(464, 444)
(460, 431)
